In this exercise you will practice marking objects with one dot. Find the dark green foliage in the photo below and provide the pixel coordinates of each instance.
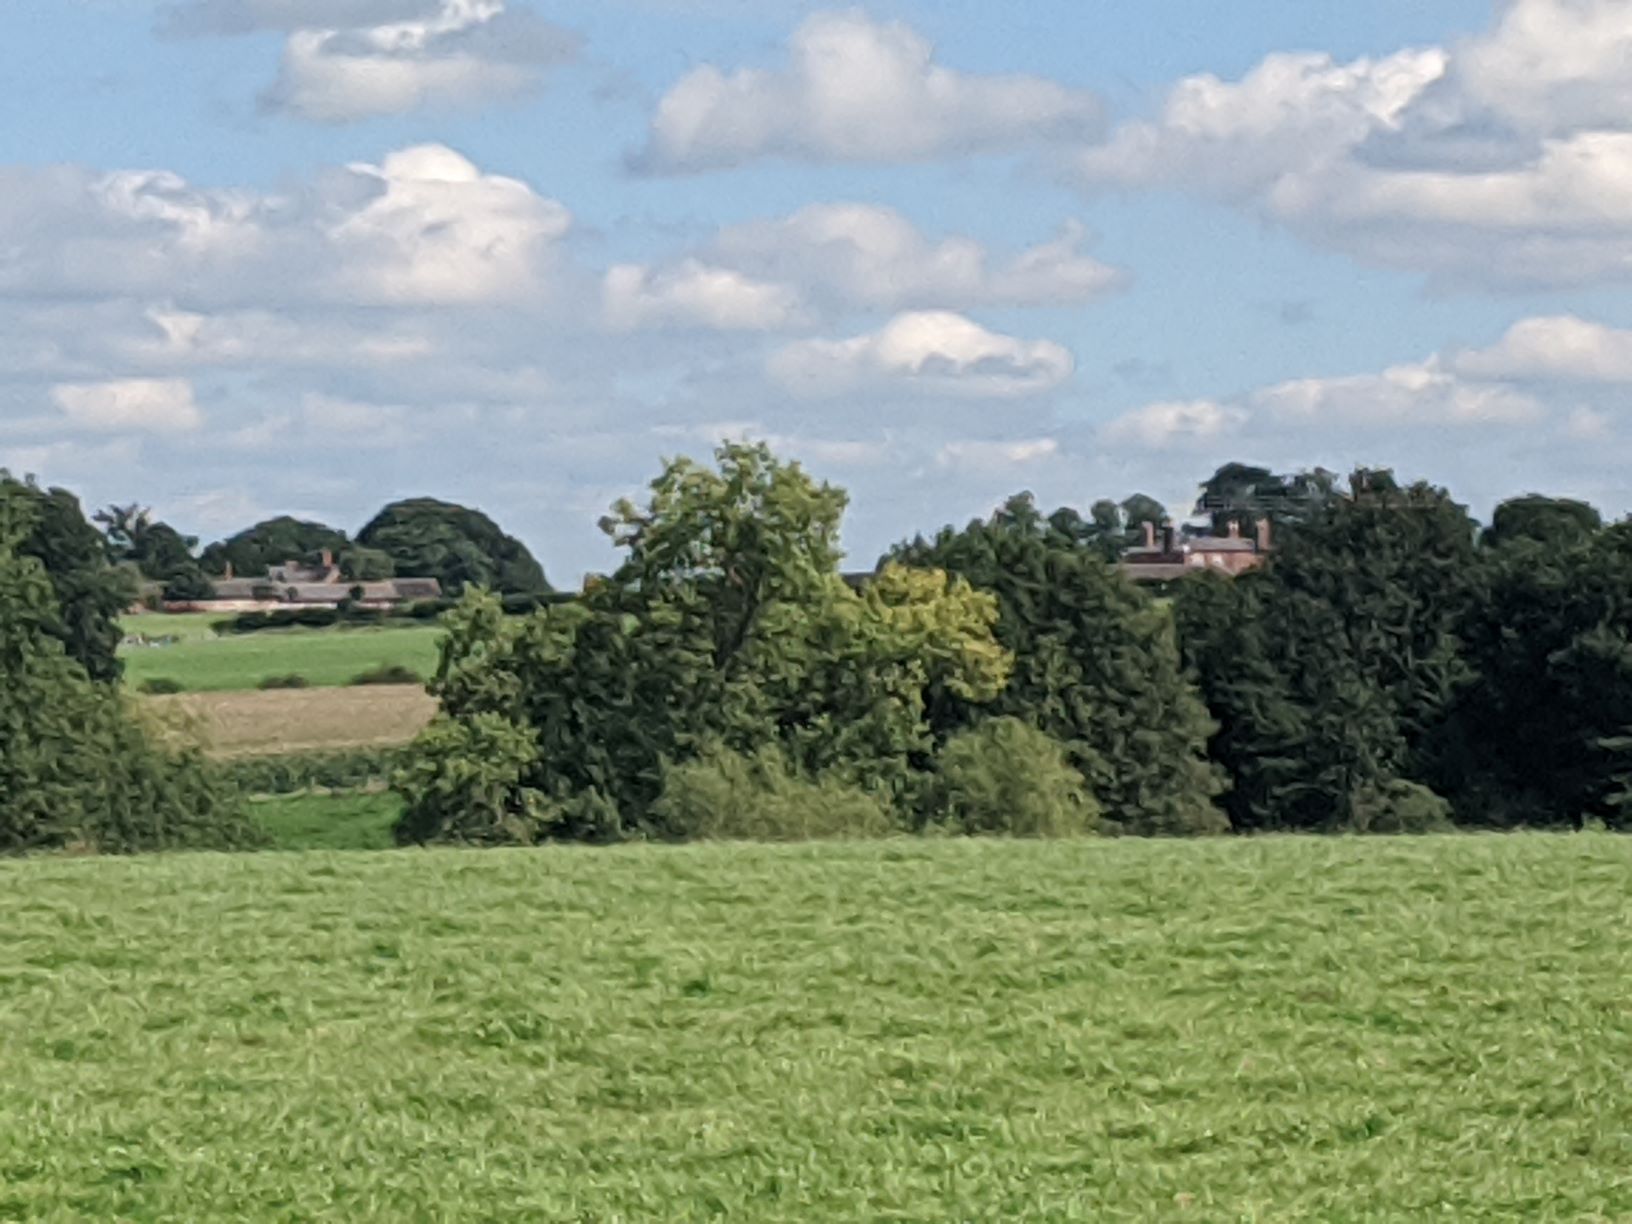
(294, 773)
(359, 564)
(303, 618)
(1333, 671)
(1398, 806)
(1006, 777)
(460, 547)
(724, 795)
(88, 595)
(160, 686)
(157, 551)
(293, 680)
(1555, 522)
(1096, 669)
(78, 767)
(1541, 732)
(272, 542)
(1245, 495)
(387, 673)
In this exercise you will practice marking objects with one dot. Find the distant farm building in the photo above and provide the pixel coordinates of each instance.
(297, 585)
(1168, 557)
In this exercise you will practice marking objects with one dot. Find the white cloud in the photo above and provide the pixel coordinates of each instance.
(996, 456)
(867, 255)
(1160, 426)
(694, 294)
(930, 352)
(130, 405)
(1421, 394)
(423, 227)
(346, 60)
(855, 89)
(1517, 143)
(1561, 348)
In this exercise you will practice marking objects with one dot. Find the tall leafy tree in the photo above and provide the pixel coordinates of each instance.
(88, 593)
(271, 542)
(77, 766)
(1246, 495)
(1096, 667)
(1548, 521)
(458, 546)
(156, 550)
(1333, 670)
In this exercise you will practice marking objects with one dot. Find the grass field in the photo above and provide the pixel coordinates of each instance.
(203, 662)
(330, 822)
(1275, 1029)
(302, 720)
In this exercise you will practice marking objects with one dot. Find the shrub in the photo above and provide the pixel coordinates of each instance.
(388, 673)
(725, 795)
(462, 781)
(161, 686)
(293, 680)
(1398, 806)
(1006, 777)
(296, 772)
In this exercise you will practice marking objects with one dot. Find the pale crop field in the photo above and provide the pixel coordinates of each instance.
(299, 720)
(1273, 1030)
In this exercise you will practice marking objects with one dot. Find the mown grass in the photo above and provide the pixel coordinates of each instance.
(329, 822)
(1275, 1029)
(203, 662)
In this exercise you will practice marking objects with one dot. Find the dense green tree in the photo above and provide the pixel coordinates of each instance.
(77, 765)
(460, 547)
(272, 542)
(727, 633)
(1333, 670)
(1548, 521)
(156, 550)
(89, 594)
(1247, 495)
(1096, 667)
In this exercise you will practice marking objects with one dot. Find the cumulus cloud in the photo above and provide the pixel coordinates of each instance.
(855, 89)
(693, 294)
(129, 405)
(425, 226)
(828, 260)
(1160, 426)
(1518, 141)
(930, 352)
(1560, 348)
(346, 60)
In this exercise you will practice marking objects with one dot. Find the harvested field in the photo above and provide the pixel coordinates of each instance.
(302, 720)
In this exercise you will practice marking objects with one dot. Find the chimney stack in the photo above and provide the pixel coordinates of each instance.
(1167, 537)
(328, 558)
(1150, 533)
(1234, 531)
(1263, 534)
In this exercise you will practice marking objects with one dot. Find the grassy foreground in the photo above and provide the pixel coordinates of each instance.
(203, 662)
(928, 1031)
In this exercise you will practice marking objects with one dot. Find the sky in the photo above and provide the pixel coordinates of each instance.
(308, 256)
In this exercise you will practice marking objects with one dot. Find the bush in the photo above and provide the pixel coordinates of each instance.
(297, 772)
(388, 673)
(462, 781)
(1398, 806)
(1006, 777)
(161, 686)
(725, 795)
(293, 680)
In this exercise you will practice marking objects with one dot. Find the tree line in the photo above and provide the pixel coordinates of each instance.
(1394, 666)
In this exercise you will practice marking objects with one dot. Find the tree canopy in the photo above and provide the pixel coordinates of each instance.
(460, 547)
(272, 542)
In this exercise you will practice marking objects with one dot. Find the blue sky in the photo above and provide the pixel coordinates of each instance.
(264, 256)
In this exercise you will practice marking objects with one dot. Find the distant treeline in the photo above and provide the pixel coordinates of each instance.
(1393, 667)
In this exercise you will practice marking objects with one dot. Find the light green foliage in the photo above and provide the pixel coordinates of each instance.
(728, 796)
(727, 627)
(468, 782)
(1274, 1029)
(1007, 777)
(202, 662)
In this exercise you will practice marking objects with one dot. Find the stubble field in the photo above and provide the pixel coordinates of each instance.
(1276, 1029)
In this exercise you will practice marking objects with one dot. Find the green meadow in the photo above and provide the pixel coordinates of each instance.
(201, 661)
(1267, 1029)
